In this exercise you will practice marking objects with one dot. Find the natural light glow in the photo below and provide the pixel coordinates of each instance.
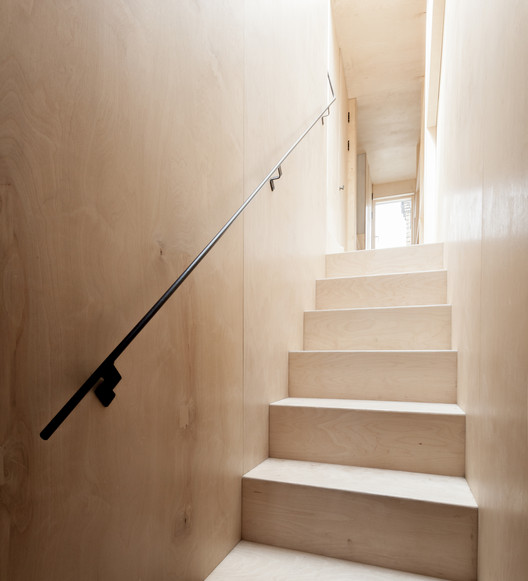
(393, 224)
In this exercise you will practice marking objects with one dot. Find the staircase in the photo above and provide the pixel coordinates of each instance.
(366, 475)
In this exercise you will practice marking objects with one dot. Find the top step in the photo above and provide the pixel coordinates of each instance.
(418, 257)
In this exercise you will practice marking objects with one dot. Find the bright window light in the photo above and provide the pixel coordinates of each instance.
(393, 224)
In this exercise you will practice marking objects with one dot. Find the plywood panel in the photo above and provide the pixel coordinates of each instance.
(379, 328)
(337, 186)
(434, 54)
(385, 261)
(483, 180)
(352, 176)
(421, 537)
(420, 288)
(361, 165)
(284, 235)
(107, 110)
(428, 488)
(394, 435)
(377, 375)
(122, 153)
(265, 563)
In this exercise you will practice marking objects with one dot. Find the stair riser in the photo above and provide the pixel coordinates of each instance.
(405, 328)
(412, 442)
(404, 376)
(427, 288)
(390, 260)
(419, 537)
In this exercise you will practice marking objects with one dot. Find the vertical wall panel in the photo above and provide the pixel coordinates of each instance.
(483, 192)
(352, 176)
(284, 230)
(121, 143)
(338, 187)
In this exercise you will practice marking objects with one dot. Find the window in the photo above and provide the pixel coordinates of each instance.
(393, 222)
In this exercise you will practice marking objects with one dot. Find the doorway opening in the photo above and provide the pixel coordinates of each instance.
(393, 221)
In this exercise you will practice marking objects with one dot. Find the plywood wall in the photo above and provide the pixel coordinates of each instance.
(121, 152)
(341, 187)
(352, 175)
(129, 133)
(483, 192)
(284, 230)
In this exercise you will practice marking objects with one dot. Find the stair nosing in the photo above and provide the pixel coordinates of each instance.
(429, 351)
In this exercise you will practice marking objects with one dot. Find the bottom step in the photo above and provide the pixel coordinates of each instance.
(421, 523)
(251, 561)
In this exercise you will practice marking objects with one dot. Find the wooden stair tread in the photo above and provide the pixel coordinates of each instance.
(378, 275)
(372, 405)
(414, 248)
(390, 308)
(376, 351)
(256, 562)
(387, 260)
(431, 488)
(368, 453)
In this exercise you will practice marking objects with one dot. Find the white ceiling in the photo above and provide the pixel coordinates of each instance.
(383, 50)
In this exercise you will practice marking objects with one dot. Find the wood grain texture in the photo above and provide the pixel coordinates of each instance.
(396, 436)
(387, 260)
(129, 134)
(306, 514)
(421, 288)
(252, 561)
(284, 232)
(377, 375)
(424, 327)
(393, 483)
(107, 196)
(483, 216)
(122, 153)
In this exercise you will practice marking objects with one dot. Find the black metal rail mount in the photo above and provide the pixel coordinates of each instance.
(105, 378)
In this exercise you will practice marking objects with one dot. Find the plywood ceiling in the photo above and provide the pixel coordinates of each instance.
(383, 49)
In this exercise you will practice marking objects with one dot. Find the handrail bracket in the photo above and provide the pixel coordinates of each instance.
(277, 177)
(104, 391)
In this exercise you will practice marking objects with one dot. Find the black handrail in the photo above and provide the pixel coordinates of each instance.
(106, 376)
